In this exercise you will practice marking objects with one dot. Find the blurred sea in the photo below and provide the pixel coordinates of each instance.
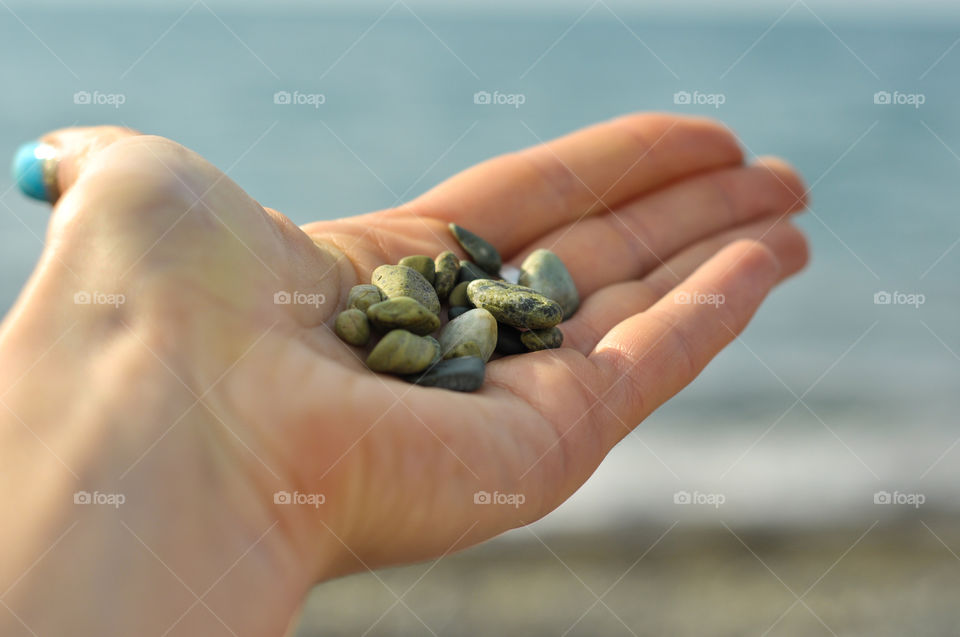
(828, 399)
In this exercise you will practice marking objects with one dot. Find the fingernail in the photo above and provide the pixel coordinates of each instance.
(35, 171)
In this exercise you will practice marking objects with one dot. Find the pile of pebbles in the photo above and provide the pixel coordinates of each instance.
(487, 314)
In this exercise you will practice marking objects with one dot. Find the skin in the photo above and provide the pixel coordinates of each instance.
(198, 398)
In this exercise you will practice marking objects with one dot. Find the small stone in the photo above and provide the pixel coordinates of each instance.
(470, 272)
(403, 312)
(514, 304)
(458, 296)
(476, 326)
(480, 251)
(544, 272)
(459, 374)
(401, 352)
(446, 269)
(457, 310)
(536, 340)
(399, 280)
(422, 264)
(464, 349)
(352, 327)
(509, 340)
(363, 296)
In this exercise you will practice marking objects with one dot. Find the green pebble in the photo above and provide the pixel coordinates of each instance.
(363, 296)
(457, 310)
(536, 340)
(458, 296)
(422, 264)
(514, 304)
(509, 340)
(446, 268)
(480, 251)
(401, 352)
(459, 374)
(544, 272)
(470, 272)
(464, 349)
(399, 280)
(403, 312)
(352, 327)
(476, 326)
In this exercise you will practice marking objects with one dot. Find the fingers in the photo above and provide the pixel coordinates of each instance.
(46, 168)
(644, 233)
(647, 358)
(514, 199)
(604, 309)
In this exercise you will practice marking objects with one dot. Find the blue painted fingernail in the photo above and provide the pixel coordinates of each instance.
(35, 171)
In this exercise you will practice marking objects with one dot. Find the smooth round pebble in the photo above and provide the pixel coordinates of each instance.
(446, 269)
(403, 312)
(481, 251)
(536, 340)
(399, 280)
(544, 272)
(514, 304)
(422, 264)
(401, 352)
(477, 326)
(458, 296)
(352, 327)
(363, 296)
(459, 374)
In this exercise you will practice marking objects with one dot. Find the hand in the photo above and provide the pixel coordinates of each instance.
(199, 398)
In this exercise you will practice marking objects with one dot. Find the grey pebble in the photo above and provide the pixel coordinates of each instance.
(459, 374)
(544, 272)
(481, 251)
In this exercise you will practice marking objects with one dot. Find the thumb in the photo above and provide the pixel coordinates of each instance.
(46, 168)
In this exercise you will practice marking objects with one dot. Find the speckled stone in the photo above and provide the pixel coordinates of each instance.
(535, 340)
(457, 310)
(514, 304)
(477, 326)
(403, 312)
(544, 272)
(459, 374)
(422, 264)
(401, 352)
(458, 296)
(471, 272)
(446, 268)
(363, 296)
(464, 349)
(352, 327)
(508, 340)
(399, 280)
(480, 251)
